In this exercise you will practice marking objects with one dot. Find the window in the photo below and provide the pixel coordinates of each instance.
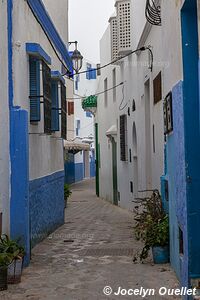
(34, 84)
(168, 114)
(70, 108)
(88, 114)
(77, 79)
(114, 84)
(63, 112)
(123, 138)
(78, 126)
(105, 92)
(91, 72)
(98, 69)
(53, 97)
(46, 76)
(157, 88)
(55, 106)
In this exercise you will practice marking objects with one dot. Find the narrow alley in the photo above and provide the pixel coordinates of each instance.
(93, 249)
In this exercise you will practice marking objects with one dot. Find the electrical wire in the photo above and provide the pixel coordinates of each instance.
(112, 62)
(97, 94)
(95, 69)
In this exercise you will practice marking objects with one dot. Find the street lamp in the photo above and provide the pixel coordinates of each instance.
(77, 58)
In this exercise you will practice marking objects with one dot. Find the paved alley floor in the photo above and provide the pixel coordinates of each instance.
(93, 249)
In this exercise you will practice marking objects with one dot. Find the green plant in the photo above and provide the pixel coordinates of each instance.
(11, 247)
(152, 223)
(5, 260)
(67, 191)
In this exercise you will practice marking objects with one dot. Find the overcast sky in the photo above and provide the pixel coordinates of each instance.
(88, 19)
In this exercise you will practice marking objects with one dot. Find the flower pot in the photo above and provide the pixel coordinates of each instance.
(160, 254)
(15, 271)
(3, 278)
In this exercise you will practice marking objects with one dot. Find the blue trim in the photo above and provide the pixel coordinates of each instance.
(36, 50)
(10, 52)
(56, 75)
(44, 19)
(19, 200)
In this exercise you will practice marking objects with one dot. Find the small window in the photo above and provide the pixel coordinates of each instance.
(157, 88)
(55, 106)
(70, 108)
(91, 72)
(123, 138)
(105, 92)
(78, 127)
(88, 114)
(63, 112)
(114, 84)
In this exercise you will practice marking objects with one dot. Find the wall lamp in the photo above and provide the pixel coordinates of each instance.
(76, 57)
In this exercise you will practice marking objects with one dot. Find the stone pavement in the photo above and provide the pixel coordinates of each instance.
(93, 249)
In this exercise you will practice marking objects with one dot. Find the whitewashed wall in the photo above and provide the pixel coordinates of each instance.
(4, 121)
(106, 117)
(42, 147)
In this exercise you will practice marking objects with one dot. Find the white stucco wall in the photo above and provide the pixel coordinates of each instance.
(106, 117)
(46, 152)
(4, 121)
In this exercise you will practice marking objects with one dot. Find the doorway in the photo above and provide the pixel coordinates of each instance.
(135, 162)
(114, 172)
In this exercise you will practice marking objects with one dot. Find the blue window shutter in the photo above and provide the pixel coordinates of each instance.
(93, 74)
(34, 81)
(55, 106)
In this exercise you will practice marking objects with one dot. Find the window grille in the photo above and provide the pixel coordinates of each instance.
(123, 137)
(55, 106)
(63, 112)
(46, 74)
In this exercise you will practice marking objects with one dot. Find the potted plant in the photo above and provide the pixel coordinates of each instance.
(5, 260)
(152, 227)
(17, 252)
(67, 193)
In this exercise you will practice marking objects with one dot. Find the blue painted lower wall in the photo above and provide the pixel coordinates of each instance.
(46, 205)
(92, 169)
(79, 172)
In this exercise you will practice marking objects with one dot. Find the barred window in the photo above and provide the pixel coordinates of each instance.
(123, 138)
(63, 112)
(46, 73)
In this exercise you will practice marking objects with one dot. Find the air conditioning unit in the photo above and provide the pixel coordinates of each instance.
(124, 26)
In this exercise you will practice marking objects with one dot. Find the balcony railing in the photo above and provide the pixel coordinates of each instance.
(153, 12)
